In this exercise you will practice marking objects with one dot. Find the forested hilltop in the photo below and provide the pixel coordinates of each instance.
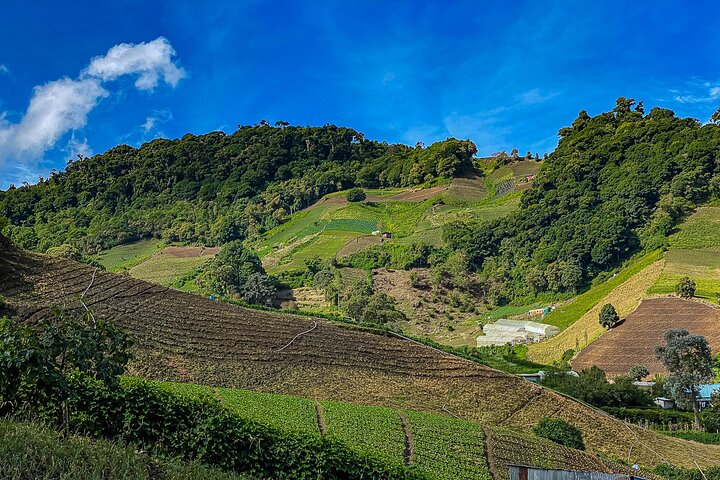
(616, 184)
(212, 188)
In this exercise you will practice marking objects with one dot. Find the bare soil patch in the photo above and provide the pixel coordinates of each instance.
(189, 252)
(633, 342)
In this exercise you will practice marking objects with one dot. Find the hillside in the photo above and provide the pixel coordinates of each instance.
(633, 342)
(692, 250)
(185, 337)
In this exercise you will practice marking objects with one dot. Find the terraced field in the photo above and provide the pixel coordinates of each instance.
(624, 292)
(694, 252)
(633, 342)
(440, 447)
(185, 337)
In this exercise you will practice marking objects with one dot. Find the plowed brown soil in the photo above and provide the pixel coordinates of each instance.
(633, 342)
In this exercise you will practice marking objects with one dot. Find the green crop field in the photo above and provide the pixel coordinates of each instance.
(443, 448)
(448, 448)
(166, 269)
(700, 231)
(694, 252)
(124, 257)
(369, 431)
(324, 246)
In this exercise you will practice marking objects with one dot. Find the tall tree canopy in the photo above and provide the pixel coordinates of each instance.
(212, 188)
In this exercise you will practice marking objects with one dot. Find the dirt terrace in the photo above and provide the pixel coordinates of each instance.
(633, 342)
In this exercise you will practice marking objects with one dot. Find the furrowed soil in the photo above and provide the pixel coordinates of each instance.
(625, 298)
(633, 342)
(180, 336)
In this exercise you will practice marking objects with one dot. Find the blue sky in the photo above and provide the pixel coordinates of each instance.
(78, 77)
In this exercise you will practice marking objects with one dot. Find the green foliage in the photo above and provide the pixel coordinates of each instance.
(559, 431)
(391, 255)
(238, 271)
(124, 257)
(355, 195)
(592, 386)
(364, 305)
(31, 451)
(685, 288)
(689, 360)
(638, 372)
(608, 316)
(708, 438)
(671, 472)
(38, 362)
(591, 205)
(214, 188)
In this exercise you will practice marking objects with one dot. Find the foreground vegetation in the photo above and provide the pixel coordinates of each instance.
(31, 451)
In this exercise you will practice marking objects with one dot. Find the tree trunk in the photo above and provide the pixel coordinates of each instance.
(696, 411)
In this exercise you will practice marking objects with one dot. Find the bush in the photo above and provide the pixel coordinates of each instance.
(3, 302)
(609, 316)
(559, 431)
(356, 195)
(686, 288)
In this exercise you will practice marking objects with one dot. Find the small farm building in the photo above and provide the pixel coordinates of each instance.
(706, 392)
(522, 472)
(515, 332)
(664, 402)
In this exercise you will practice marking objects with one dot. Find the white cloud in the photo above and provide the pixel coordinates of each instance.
(4, 70)
(710, 95)
(150, 60)
(534, 96)
(158, 117)
(63, 105)
(76, 148)
(56, 108)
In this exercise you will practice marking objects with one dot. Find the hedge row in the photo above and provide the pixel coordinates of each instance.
(710, 422)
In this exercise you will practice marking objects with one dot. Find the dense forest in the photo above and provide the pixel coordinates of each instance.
(212, 188)
(617, 183)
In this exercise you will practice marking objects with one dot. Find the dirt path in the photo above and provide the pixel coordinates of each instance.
(409, 442)
(320, 416)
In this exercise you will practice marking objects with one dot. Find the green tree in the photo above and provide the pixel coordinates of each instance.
(259, 289)
(688, 358)
(356, 195)
(638, 372)
(685, 288)
(716, 117)
(559, 431)
(608, 316)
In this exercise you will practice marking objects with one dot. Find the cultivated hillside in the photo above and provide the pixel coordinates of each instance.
(185, 337)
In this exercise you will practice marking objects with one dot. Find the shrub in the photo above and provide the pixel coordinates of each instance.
(686, 288)
(356, 195)
(559, 431)
(3, 302)
(609, 316)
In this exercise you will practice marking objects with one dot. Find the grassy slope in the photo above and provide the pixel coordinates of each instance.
(124, 257)
(165, 270)
(694, 251)
(29, 451)
(580, 317)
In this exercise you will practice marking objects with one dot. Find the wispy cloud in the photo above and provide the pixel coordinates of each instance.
(76, 147)
(534, 97)
(63, 105)
(704, 92)
(158, 117)
(4, 69)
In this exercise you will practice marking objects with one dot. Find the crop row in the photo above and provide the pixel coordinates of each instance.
(444, 448)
